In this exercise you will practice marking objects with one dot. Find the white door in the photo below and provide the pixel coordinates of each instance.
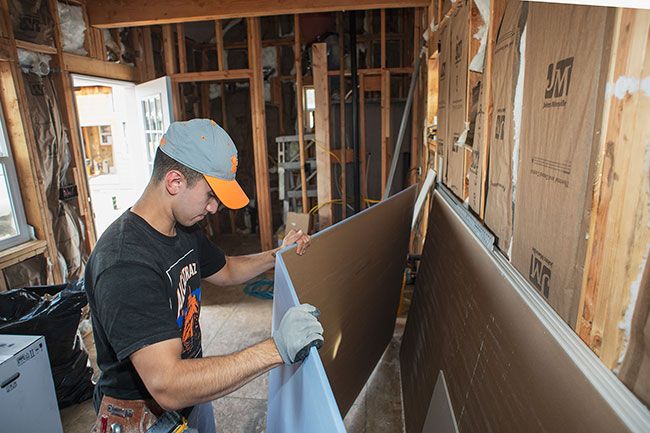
(154, 112)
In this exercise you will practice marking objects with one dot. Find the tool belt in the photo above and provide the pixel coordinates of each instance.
(128, 416)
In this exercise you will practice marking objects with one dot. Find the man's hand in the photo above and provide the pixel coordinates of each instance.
(299, 330)
(297, 237)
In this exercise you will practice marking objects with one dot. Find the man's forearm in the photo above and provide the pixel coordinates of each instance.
(243, 268)
(194, 381)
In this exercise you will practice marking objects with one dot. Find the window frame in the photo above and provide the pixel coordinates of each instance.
(15, 199)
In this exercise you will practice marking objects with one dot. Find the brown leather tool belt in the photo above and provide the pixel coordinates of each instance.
(132, 416)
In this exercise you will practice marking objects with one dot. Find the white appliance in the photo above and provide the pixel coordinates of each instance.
(27, 399)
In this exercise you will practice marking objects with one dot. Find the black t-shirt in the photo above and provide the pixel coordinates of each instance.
(144, 287)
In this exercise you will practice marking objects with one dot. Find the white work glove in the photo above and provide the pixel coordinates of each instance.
(299, 330)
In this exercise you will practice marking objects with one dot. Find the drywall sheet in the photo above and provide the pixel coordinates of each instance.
(566, 65)
(505, 372)
(505, 70)
(459, 59)
(443, 97)
(353, 273)
(300, 397)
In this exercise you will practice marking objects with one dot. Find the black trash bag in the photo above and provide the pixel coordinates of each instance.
(28, 311)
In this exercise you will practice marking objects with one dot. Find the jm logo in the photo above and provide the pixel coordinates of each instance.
(558, 78)
(539, 274)
(459, 51)
(498, 129)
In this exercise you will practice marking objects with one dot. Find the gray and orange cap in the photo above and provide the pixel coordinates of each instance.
(203, 146)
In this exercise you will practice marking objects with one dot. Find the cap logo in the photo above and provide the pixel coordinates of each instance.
(163, 141)
(234, 162)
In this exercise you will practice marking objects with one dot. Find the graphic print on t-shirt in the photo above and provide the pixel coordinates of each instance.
(185, 279)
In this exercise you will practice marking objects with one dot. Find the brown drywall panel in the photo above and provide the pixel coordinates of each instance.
(353, 273)
(504, 371)
(565, 70)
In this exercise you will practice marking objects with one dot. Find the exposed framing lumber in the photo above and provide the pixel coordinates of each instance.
(46, 49)
(19, 253)
(297, 51)
(382, 37)
(416, 124)
(362, 141)
(224, 116)
(182, 51)
(169, 49)
(221, 53)
(344, 198)
(148, 70)
(376, 71)
(231, 74)
(98, 68)
(122, 13)
(259, 132)
(619, 234)
(322, 127)
(386, 153)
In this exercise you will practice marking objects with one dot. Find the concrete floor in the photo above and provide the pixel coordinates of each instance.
(230, 321)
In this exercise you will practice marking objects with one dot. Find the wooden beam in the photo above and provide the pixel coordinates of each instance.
(224, 116)
(46, 49)
(619, 232)
(98, 68)
(362, 140)
(416, 124)
(344, 192)
(382, 38)
(125, 13)
(386, 151)
(259, 132)
(221, 53)
(322, 133)
(148, 68)
(182, 52)
(206, 106)
(232, 74)
(19, 253)
(169, 49)
(297, 59)
(376, 71)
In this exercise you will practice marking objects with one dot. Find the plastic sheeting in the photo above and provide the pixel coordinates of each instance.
(31, 21)
(73, 28)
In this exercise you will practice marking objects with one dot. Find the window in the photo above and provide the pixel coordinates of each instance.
(153, 126)
(105, 136)
(13, 225)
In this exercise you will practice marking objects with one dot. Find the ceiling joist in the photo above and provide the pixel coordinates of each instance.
(127, 13)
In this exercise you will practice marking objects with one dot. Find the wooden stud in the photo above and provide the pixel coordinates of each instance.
(344, 192)
(224, 117)
(383, 38)
(386, 151)
(322, 127)
(297, 52)
(259, 132)
(177, 102)
(362, 141)
(169, 49)
(619, 234)
(97, 68)
(147, 54)
(206, 106)
(416, 124)
(232, 74)
(182, 52)
(25, 45)
(221, 53)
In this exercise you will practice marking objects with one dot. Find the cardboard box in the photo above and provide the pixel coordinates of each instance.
(505, 71)
(458, 98)
(567, 54)
(443, 97)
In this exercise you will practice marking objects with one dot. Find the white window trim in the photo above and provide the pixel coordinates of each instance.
(14, 190)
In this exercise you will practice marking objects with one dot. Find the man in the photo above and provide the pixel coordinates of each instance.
(143, 283)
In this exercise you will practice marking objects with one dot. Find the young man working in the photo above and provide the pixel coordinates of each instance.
(143, 281)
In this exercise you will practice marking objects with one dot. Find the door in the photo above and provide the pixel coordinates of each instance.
(155, 113)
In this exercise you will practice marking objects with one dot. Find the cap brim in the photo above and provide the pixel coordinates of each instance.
(228, 191)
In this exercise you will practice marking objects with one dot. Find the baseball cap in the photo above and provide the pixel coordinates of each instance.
(203, 146)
